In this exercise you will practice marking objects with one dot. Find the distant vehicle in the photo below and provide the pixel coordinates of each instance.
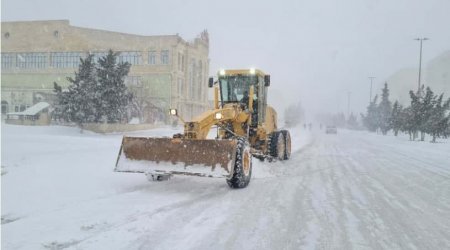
(331, 130)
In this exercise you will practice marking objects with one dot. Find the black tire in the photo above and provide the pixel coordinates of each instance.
(242, 169)
(277, 145)
(287, 145)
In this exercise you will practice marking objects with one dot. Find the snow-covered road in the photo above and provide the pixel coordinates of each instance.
(353, 190)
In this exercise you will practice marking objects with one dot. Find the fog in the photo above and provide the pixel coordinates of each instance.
(315, 51)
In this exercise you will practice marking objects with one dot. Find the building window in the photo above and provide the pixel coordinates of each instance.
(164, 57)
(31, 60)
(56, 33)
(6, 35)
(152, 57)
(135, 81)
(66, 59)
(8, 60)
(131, 57)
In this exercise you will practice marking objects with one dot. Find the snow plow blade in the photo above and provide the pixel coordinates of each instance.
(212, 158)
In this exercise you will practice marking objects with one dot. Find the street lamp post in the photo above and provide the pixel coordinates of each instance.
(371, 82)
(420, 60)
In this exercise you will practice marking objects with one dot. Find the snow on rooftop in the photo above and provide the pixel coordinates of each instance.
(33, 110)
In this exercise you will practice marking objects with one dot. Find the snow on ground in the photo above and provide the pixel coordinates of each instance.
(353, 190)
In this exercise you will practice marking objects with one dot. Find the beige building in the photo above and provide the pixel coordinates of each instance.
(167, 71)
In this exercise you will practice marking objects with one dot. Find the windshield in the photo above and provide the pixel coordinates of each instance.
(234, 88)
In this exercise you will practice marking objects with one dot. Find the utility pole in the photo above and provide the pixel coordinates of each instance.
(420, 61)
(371, 82)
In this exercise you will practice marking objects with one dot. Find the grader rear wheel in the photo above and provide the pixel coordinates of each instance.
(277, 145)
(287, 139)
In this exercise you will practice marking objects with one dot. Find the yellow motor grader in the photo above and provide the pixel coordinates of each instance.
(246, 127)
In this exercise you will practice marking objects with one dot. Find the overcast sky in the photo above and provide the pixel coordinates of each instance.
(315, 51)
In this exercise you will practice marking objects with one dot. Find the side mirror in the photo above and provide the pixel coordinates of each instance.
(211, 82)
(267, 80)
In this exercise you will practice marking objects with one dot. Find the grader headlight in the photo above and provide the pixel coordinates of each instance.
(173, 112)
(218, 116)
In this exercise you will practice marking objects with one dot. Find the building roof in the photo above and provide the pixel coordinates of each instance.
(33, 110)
(59, 35)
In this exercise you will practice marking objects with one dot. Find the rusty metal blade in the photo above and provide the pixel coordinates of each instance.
(176, 151)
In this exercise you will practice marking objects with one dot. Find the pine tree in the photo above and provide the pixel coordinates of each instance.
(408, 122)
(426, 110)
(447, 133)
(415, 109)
(60, 106)
(97, 93)
(371, 119)
(75, 104)
(438, 123)
(112, 90)
(397, 118)
(84, 82)
(384, 111)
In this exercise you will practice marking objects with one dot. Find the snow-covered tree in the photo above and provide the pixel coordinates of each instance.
(77, 103)
(426, 110)
(438, 122)
(408, 122)
(112, 90)
(371, 120)
(60, 111)
(384, 111)
(397, 118)
(97, 93)
(415, 109)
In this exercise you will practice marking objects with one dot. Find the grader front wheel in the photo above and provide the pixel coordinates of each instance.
(242, 169)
